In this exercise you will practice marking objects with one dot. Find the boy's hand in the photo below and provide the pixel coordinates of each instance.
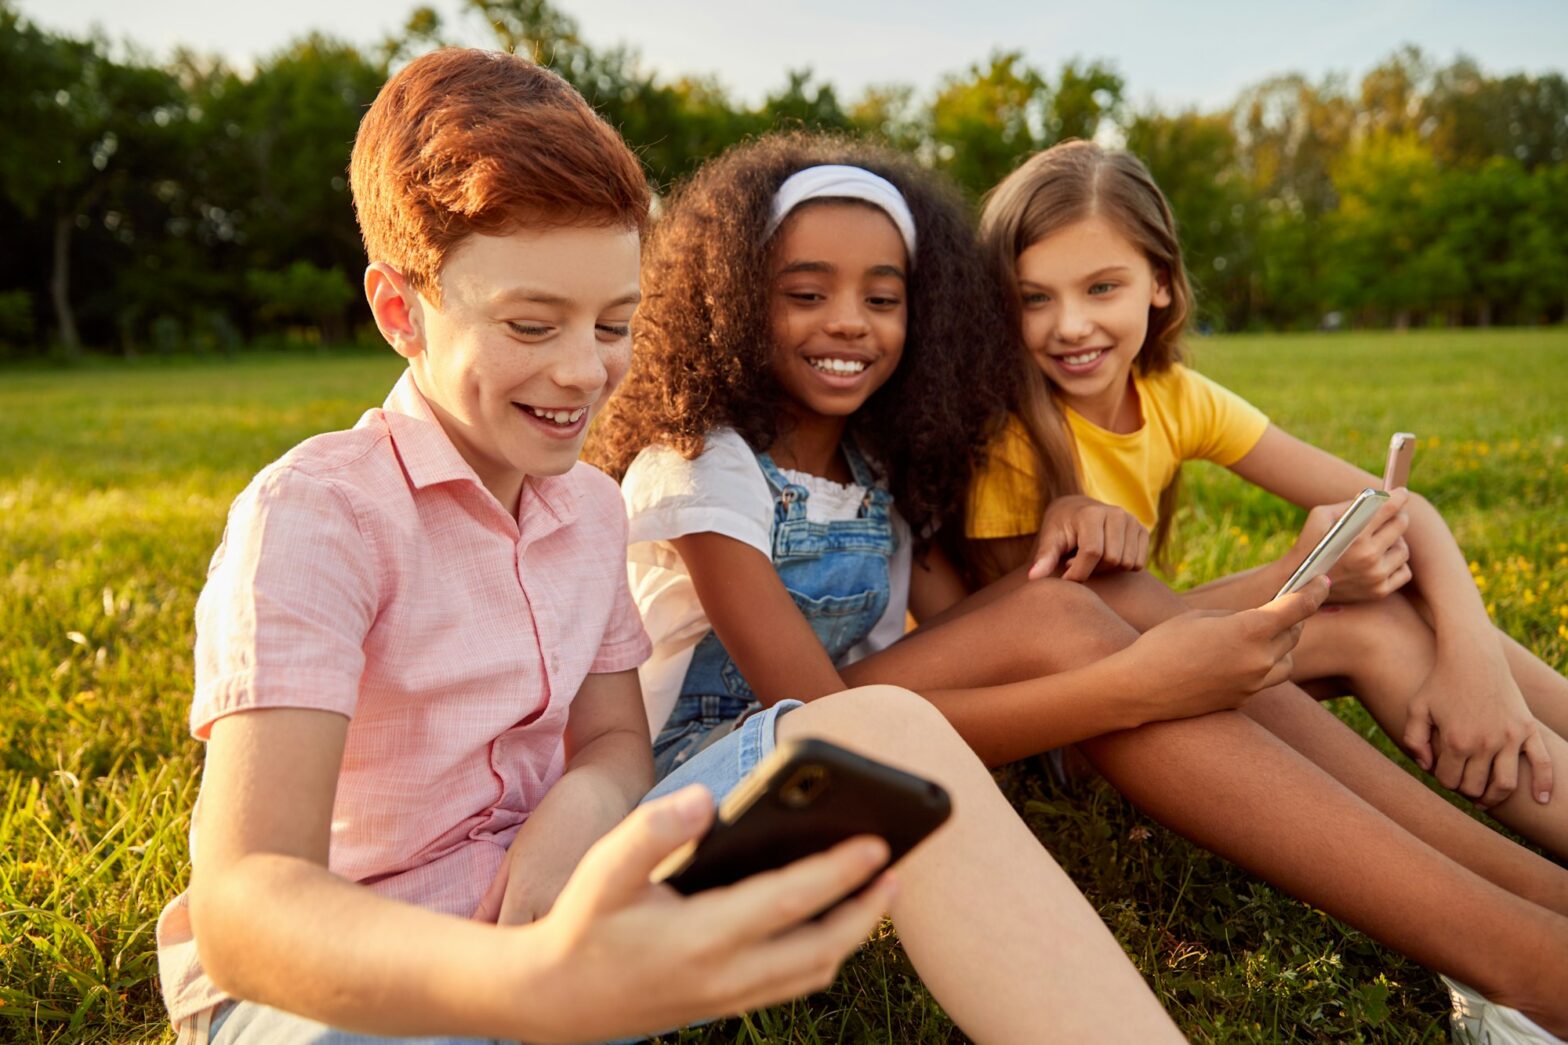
(1096, 536)
(1468, 725)
(625, 956)
(1213, 660)
(1376, 564)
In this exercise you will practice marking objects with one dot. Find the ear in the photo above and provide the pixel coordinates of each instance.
(397, 309)
(1161, 298)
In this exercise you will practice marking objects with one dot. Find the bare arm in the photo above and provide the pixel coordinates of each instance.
(609, 767)
(1470, 698)
(754, 616)
(615, 956)
(273, 925)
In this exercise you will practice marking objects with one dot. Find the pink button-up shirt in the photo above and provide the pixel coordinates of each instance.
(370, 574)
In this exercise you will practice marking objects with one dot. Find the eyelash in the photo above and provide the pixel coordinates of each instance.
(616, 330)
(807, 297)
(1042, 299)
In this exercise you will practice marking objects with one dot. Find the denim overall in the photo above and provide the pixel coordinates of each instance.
(837, 573)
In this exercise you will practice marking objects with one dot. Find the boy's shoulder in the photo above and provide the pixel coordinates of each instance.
(354, 460)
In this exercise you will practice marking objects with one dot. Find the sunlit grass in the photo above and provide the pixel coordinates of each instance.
(114, 482)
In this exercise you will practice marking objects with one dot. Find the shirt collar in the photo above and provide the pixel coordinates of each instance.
(429, 458)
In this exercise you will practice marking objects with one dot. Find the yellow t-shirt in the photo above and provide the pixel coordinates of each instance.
(1186, 417)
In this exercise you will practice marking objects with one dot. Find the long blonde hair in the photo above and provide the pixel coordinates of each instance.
(1061, 186)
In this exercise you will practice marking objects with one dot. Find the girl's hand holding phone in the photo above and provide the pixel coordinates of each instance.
(1376, 564)
(1094, 536)
(623, 956)
(1213, 660)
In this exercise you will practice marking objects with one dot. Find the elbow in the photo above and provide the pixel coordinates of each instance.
(209, 929)
(222, 912)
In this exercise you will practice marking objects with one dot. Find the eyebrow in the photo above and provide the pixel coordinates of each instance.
(520, 295)
(829, 268)
(1096, 274)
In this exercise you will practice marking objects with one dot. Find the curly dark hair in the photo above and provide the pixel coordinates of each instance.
(702, 354)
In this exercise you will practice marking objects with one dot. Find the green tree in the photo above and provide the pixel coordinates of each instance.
(988, 119)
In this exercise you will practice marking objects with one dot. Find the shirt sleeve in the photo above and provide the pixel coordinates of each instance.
(290, 596)
(1004, 496)
(722, 491)
(626, 644)
(1218, 425)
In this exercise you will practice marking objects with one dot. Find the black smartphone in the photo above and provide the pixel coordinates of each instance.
(807, 796)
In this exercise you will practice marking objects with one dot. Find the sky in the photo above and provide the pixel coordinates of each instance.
(1201, 57)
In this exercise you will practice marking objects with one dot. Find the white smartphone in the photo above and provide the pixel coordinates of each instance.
(1345, 530)
(1396, 472)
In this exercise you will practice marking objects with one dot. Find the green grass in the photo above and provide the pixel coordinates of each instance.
(114, 481)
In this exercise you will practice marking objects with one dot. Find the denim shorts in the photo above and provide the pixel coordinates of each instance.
(719, 767)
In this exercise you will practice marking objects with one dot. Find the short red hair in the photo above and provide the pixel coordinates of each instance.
(465, 141)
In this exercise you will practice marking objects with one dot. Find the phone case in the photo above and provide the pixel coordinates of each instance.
(807, 796)
(1346, 529)
(1396, 470)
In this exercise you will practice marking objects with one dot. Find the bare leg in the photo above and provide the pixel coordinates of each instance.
(1383, 650)
(999, 933)
(1231, 786)
(1386, 679)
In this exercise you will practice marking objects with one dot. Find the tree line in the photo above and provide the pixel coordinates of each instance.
(183, 205)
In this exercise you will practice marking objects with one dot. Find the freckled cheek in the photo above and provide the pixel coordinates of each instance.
(617, 360)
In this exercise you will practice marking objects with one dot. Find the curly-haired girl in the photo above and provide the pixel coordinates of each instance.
(812, 377)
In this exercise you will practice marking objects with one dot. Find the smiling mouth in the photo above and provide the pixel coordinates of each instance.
(1081, 358)
(564, 418)
(837, 366)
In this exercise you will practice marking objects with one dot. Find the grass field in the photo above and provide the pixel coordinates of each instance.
(114, 481)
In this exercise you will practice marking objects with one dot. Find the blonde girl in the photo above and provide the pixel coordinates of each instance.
(1106, 404)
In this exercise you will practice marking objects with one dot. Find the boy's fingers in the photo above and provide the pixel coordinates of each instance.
(617, 867)
(766, 904)
(807, 958)
(1543, 777)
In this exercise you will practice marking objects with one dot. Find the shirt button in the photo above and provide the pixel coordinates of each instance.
(555, 664)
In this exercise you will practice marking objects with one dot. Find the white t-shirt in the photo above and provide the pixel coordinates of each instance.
(722, 491)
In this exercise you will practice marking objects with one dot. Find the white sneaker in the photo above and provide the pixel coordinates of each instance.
(1476, 1021)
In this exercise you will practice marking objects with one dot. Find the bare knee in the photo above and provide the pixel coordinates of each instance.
(887, 723)
(1069, 620)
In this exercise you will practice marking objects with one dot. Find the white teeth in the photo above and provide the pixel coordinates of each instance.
(838, 366)
(1083, 357)
(560, 417)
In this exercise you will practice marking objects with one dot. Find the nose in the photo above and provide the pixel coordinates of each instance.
(1073, 323)
(581, 365)
(847, 320)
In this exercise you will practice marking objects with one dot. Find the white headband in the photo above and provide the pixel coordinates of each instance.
(840, 181)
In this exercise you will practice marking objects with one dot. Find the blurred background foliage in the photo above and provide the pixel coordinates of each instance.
(181, 205)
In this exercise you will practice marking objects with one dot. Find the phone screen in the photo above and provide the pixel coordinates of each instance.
(1345, 530)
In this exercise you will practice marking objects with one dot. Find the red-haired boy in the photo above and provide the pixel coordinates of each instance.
(415, 671)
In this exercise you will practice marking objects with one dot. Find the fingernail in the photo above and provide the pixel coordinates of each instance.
(873, 852)
(692, 804)
(1543, 797)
